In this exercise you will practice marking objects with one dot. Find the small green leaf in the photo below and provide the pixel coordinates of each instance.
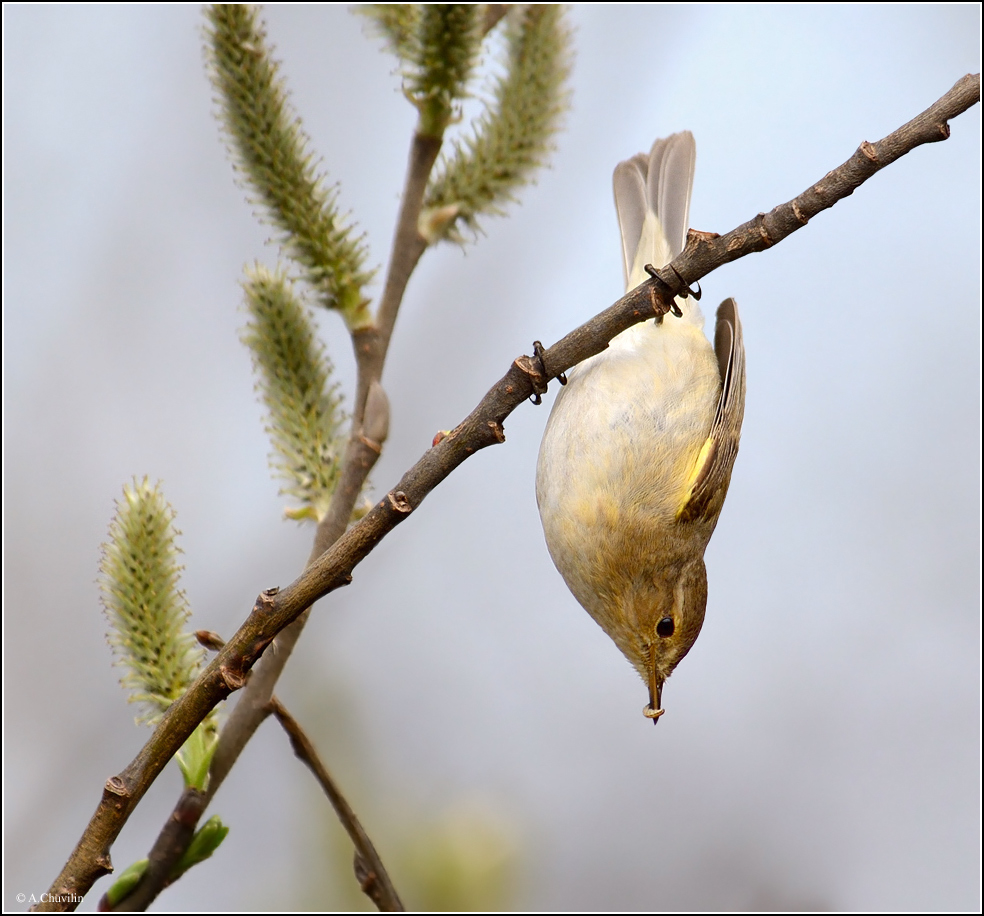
(195, 756)
(208, 838)
(125, 884)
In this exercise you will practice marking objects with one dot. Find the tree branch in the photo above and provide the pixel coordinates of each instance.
(277, 608)
(369, 869)
(707, 252)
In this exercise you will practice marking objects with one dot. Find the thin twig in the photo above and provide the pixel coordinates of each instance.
(277, 608)
(374, 880)
(408, 244)
(706, 252)
(168, 848)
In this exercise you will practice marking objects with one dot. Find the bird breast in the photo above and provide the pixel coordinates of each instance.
(618, 453)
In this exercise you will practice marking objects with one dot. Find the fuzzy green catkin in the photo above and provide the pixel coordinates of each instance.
(448, 41)
(513, 137)
(272, 151)
(438, 45)
(147, 612)
(293, 377)
(397, 24)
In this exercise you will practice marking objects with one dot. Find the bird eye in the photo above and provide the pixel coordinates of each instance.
(665, 627)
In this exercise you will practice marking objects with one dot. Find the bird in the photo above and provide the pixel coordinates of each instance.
(639, 447)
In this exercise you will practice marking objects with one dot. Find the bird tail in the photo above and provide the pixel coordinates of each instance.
(652, 199)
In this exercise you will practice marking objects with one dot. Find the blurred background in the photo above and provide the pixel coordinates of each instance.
(821, 748)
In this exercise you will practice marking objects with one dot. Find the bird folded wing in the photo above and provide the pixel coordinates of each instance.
(712, 470)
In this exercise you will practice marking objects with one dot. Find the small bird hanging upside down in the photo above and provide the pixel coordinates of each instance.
(637, 453)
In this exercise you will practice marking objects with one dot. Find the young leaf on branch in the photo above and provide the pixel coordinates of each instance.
(205, 841)
(271, 150)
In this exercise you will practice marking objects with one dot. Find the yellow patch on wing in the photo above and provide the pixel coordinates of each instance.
(701, 468)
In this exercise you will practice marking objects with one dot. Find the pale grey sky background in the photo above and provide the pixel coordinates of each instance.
(821, 743)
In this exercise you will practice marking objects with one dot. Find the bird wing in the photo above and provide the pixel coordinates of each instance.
(712, 472)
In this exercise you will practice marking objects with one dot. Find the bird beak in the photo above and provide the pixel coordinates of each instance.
(654, 710)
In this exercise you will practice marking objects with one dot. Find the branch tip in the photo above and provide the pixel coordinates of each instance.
(209, 639)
